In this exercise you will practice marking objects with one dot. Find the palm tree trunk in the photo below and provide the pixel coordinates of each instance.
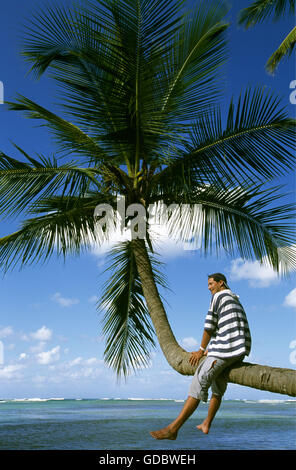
(272, 379)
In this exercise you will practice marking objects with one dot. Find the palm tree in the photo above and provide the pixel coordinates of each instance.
(139, 83)
(261, 9)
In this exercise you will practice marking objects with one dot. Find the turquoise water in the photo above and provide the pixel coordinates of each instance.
(105, 424)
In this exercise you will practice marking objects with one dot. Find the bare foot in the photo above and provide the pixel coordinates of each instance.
(204, 427)
(164, 433)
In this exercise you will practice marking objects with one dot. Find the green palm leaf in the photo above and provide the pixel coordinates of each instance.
(22, 182)
(259, 11)
(198, 53)
(126, 321)
(129, 75)
(257, 142)
(244, 220)
(94, 62)
(286, 47)
(59, 35)
(68, 136)
(68, 226)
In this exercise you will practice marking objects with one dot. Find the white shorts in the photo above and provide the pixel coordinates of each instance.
(208, 374)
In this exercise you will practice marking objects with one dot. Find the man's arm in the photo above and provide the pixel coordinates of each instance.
(197, 355)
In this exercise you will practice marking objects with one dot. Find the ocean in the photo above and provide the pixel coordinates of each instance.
(124, 424)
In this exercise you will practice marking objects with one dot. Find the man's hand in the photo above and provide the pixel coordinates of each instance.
(195, 357)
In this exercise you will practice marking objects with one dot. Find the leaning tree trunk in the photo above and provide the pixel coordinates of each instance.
(272, 379)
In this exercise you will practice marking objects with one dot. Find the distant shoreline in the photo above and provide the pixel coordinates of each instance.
(41, 400)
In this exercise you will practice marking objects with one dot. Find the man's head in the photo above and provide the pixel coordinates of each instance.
(217, 282)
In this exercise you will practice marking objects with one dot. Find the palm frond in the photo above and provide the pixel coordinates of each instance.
(85, 65)
(126, 321)
(50, 36)
(257, 142)
(191, 70)
(68, 226)
(129, 70)
(56, 35)
(68, 136)
(150, 25)
(259, 10)
(22, 182)
(244, 220)
(286, 48)
(97, 57)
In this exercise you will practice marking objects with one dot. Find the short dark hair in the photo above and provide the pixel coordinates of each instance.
(219, 277)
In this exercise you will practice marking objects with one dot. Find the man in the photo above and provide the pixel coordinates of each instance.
(227, 333)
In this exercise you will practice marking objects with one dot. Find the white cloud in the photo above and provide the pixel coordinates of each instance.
(256, 274)
(23, 356)
(7, 331)
(78, 368)
(81, 368)
(116, 236)
(79, 361)
(43, 334)
(168, 232)
(290, 299)
(48, 357)
(167, 246)
(38, 348)
(75, 362)
(63, 301)
(93, 299)
(11, 372)
(93, 360)
(189, 343)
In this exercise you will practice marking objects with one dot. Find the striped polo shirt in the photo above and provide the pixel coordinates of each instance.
(226, 320)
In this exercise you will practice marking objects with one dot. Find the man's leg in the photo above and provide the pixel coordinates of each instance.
(214, 406)
(212, 374)
(171, 431)
(209, 375)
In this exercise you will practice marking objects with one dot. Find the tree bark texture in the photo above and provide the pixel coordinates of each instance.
(272, 379)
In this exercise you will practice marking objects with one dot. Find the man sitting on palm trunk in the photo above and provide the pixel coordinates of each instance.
(227, 333)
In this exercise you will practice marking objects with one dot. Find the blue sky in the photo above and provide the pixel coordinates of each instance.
(50, 330)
